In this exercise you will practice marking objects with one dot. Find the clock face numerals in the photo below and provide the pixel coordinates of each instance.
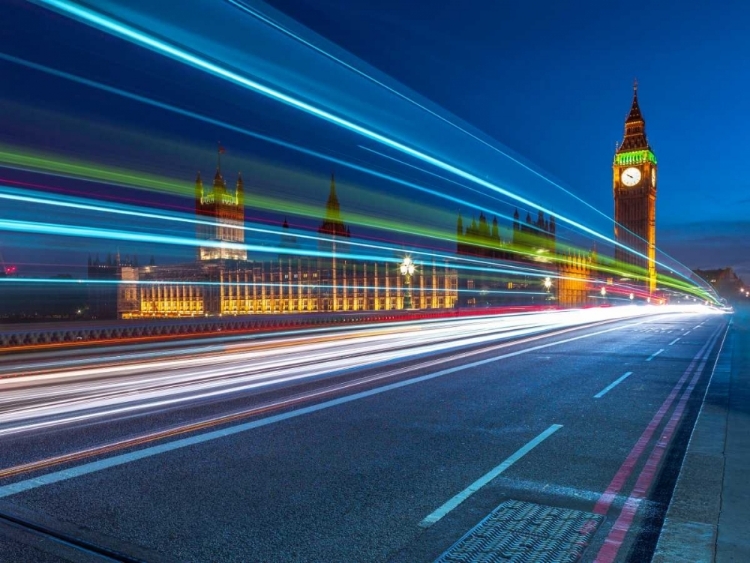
(630, 176)
(653, 177)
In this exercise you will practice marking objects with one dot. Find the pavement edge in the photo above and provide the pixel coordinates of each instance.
(690, 530)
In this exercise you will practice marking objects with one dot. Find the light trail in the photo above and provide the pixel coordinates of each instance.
(385, 251)
(380, 251)
(49, 396)
(342, 390)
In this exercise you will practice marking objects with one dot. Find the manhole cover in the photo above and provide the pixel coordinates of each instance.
(523, 532)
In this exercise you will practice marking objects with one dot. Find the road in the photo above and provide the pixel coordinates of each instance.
(384, 443)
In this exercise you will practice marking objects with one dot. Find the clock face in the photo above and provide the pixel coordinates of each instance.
(631, 176)
(653, 177)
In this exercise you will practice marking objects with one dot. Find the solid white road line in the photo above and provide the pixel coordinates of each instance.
(673, 341)
(482, 481)
(652, 356)
(611, 386)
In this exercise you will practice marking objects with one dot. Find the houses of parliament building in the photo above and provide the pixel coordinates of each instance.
(224, 281)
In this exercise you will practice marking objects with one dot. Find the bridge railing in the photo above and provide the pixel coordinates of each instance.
(22, 336)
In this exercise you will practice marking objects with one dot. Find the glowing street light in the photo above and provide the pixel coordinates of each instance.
(407, 269)
(603, 292)
(547, 283)
(632, 296)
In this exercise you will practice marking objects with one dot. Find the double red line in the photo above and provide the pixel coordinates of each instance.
(614, 540)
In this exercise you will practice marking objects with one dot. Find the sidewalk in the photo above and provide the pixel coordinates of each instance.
(708, 519)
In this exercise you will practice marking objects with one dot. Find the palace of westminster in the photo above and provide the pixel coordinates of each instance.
(223, 281)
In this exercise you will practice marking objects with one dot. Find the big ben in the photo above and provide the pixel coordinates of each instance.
(634, 182)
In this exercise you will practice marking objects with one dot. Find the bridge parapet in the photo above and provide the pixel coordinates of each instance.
(56, 334)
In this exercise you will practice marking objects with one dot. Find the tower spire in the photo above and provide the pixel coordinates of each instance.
(635, 110)
(198, 189)
(219, 151)
(635, 127)
(333, 210)
(239, 192)
(333, 225)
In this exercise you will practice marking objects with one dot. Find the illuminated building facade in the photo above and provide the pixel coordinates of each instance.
(224, 282)
(573, 285)
(634, 183)
(221, 216)
(287, 285)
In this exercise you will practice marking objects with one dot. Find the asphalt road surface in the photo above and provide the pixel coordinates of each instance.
(379, 444)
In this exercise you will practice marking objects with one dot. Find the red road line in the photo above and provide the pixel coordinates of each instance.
(626, 469)
(609, 550)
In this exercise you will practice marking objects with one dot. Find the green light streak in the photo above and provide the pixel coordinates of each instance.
(82, 170)
(49, 164)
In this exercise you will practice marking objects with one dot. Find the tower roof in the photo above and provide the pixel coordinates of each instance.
(333, 209)
(333, 225)
(635, 127)
(635, 110)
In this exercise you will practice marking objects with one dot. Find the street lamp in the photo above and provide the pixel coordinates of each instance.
(632, 296)
(407, 270)
(547, 283)
(603, 292)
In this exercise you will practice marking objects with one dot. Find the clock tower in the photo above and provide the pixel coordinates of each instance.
(634, 182)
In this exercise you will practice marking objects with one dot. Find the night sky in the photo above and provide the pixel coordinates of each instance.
(552, 81)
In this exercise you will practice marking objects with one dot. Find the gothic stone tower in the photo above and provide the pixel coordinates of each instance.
(223, 219)
(634, 182)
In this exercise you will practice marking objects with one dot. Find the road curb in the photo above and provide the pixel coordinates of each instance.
(690, 529)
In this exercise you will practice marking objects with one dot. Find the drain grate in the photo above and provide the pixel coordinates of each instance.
(523, 532)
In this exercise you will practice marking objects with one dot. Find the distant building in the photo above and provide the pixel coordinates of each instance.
(106, 295)
(634, 184)
(724, 280)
